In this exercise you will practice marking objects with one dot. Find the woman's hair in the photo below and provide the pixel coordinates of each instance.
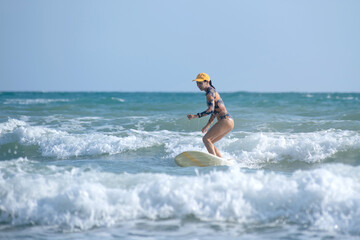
(211, 84)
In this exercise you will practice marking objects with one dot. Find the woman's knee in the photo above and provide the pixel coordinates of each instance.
(206, 140)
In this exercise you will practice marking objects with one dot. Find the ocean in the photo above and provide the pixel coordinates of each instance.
(77, 165)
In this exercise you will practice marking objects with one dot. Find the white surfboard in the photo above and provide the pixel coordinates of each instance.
(200, 159)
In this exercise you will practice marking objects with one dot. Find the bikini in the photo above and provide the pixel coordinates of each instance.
(226, 116)
(214, 105)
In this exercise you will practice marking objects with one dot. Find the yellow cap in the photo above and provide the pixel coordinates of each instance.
(202, 77)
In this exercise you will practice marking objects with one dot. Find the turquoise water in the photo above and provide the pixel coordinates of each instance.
(101, 165)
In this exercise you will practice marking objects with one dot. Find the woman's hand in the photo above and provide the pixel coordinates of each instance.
(191, 116)
(204, 130)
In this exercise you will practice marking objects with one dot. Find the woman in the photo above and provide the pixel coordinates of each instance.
(216, 108)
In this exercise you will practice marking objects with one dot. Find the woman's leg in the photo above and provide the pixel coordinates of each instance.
(218, 131)
(217, 152)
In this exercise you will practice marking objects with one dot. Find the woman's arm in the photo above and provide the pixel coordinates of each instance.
(204, 130)
(210, 98)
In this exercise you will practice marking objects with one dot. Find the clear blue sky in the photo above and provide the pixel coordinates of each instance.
(138, 45)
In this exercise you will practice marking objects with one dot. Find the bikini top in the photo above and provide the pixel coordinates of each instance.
(214, 102)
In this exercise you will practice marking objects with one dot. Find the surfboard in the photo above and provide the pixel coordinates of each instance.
(200, 159)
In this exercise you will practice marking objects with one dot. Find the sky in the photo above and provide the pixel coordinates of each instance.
(161, 45)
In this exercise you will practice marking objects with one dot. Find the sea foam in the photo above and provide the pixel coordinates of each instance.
(247, 148)
(75, 198)
(310, 147)
(61, 144)
(34, 101)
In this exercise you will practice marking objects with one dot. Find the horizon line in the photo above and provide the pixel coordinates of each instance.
(106, 91)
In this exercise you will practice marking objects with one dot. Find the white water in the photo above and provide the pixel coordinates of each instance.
(71, 198)
(34, 101)
(249, 149)
(103, 167)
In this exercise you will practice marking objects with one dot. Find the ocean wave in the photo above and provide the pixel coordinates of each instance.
(33, 101)
(73, 198)
(118, 99)
(309, 147)
(256, 149)
(60, 144)
(247, 148)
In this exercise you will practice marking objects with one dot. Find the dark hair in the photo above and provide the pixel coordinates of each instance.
(211, 84)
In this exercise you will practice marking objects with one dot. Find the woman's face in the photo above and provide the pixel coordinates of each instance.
(202, 85)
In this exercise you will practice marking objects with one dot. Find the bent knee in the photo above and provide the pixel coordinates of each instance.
(206, 140)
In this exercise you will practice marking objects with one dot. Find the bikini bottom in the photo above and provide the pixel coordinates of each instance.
(226, 116)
